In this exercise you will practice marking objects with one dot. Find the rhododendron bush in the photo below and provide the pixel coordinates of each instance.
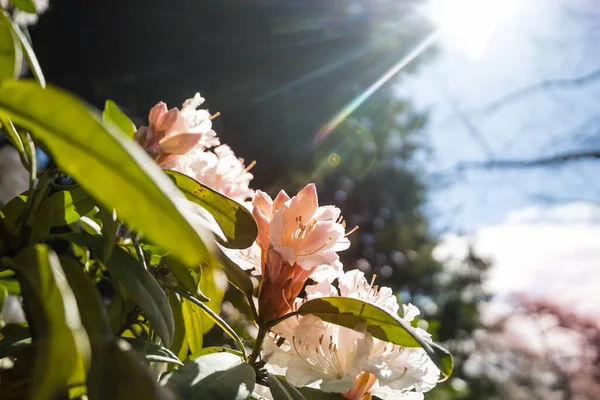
(122, 248)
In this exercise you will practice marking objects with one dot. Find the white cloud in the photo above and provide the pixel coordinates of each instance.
(551, 254)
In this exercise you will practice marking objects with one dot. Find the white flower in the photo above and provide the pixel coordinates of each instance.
(350, 361)
(219, 169)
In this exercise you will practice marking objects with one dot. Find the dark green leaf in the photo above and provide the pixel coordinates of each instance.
(236, 222)
(68, 206)
(13, 337)
(119, 375)
(93, 314)
(53, 314)
(41, 221)
(12, 211)
(10, 50)
(282, 390)
(25, 5)
(146, 292)
(110, 227)
(114, 170)
(112, 114)
(354, 313)
(215, 376)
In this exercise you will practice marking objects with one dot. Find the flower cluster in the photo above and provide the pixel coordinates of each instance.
(336, 359)
(183, 140)
(297, 240)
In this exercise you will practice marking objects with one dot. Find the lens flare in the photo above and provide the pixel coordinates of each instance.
(355, 103)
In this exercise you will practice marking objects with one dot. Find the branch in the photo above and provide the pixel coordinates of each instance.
(536, 87)
(532, 163)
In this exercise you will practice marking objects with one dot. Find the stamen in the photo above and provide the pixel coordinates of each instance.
(352, 231)
(250, 166)
(215, 115)
(373, 280)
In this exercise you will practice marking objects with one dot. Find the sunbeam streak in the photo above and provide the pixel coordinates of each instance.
(355, 103)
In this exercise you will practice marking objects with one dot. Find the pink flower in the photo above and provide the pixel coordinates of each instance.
(298, 240)
(174, 132)
(301, 231)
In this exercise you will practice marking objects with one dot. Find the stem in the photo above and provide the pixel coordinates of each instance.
(274, 322)
(260, 337)
(214, 316)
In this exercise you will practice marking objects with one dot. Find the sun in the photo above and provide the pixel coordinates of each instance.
(469, 24)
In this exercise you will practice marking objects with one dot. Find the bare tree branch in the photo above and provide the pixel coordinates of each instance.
(549, 161)
(539, 86)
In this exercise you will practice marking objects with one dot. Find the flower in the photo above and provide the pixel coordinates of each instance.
(350, 361)
(220, 169)
(301, 231)
(298, 240)
(174, 132)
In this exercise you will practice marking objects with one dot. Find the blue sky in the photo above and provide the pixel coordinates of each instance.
(545, 40)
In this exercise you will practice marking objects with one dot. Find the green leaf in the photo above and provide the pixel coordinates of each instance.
(41, 221)
(29, 55)
(112, 114)
(12, 211)
(221, 376)
(144, 290)
(68, 206)
(110, 228)
(213, 315)
(111, 168)
(12, 214)
(53, 314)
(193, 325)
(91, 309)
(119, 375)
(14, 337)
(236, 222)
(11, 134)
(25, 5)
(179, 346)
(213, 285)
(354, 314)
(153, 352)
(282, 390)
(10, 50)
(187, 279)
(11, 285)
(3, 294)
